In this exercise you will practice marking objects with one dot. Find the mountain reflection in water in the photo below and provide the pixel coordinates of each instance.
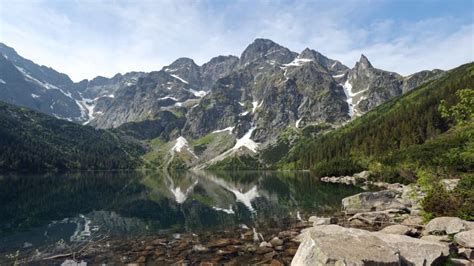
(39, 210)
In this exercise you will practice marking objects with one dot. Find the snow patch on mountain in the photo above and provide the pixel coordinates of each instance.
(246, 141)
(35, 95)
(230, 129)
(297, 124)
(182, 145)
(178, 78)
(229, 210)
(199, 94)
(256, 105)
(297, 62)
(168, 97)
(2, 81)
(350, 95)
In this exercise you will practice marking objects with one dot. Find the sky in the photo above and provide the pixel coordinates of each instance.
(88, 38)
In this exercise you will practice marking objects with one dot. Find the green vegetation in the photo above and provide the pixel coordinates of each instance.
(423, 136)
(31, 141)
(245, 162)
(401, 136)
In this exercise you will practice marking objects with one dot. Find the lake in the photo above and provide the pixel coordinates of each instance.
(40, 211)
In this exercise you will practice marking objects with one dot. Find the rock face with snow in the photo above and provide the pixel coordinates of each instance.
(367, 87)
(321, 245)
(259, 94)
(40, 88)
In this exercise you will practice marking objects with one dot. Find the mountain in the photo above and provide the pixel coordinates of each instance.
(252, 98)
(32, 141)
(397, 139)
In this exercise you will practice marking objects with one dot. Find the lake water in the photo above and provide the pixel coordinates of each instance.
(37, 211)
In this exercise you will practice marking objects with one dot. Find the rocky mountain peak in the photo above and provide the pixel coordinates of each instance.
(181, 62)
(363, 62)
(266, 50)
(185, 70)
(333, 66)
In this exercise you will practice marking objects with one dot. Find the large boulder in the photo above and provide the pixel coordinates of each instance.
(336, 245)
(372, 201)
(447, 225)
(465, 239)
(397, 229)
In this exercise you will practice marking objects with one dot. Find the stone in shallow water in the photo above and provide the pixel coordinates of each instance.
(322, 245)
(276, 242)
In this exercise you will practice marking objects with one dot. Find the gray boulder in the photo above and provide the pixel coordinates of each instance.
(448, 225)
(465, 239)
(322, 245)
(372, 201)
(397, 229)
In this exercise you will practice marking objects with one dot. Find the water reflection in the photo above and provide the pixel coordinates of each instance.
(46, 209)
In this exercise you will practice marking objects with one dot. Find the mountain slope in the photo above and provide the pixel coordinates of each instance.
(405, 134)
(31, 141)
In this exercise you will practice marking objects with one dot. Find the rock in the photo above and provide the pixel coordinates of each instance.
(157, 242)
(279, 248)
(200, 248)
(448, 225)
(218, 243)
(376, 218)
(291, 251)
(141, 259)
(465, 239)
(397, 229)
(276, 242)
(466, 253)
(265, 244)
(248, 235)
(322, 245)
(362, 175)
(319, 220)
(437, 239)
(302, 224)
(275, 263)
(263, 250)
(287, 234)
(372, 201)
(415, 221)
(461, 262)
(450, 184)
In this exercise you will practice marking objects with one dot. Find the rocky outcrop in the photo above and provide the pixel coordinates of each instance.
(447, 225)
(465, 239)
(322, 245)
(372, 201)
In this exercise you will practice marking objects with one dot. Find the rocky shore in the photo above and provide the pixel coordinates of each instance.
(385, 227)
(376, 227)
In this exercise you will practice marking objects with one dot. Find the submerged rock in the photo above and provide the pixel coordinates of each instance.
(322, 245)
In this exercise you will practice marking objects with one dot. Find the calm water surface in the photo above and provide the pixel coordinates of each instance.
(41, 210)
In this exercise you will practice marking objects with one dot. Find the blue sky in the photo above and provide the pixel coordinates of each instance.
(88, 38)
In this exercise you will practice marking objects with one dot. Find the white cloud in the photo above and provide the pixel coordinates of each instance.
(86, 39)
